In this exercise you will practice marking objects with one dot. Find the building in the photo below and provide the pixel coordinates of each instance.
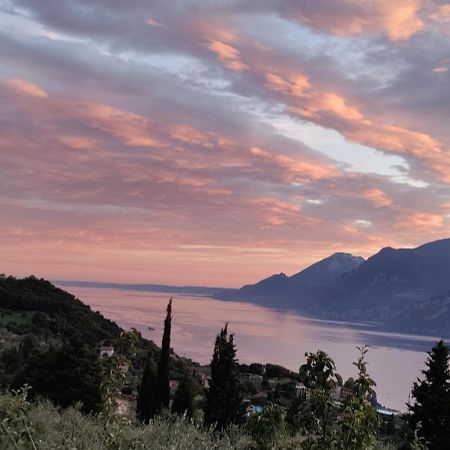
(106, 351)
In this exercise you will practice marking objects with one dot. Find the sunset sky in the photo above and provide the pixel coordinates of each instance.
(217, 142)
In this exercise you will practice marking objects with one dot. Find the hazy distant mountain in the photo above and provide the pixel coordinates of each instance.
(405, 287)
(281, 290)
(429, 316)
(393, 276)
(326, 272)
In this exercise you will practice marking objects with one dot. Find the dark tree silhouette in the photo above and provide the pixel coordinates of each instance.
(145, 394)
(430, 413)
(224, 397)
(183, 402)
(161, 393)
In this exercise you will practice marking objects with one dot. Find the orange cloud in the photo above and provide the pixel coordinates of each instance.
(228, 55)
(399, 20)
(23, 87)
(298, 86)
(331, 109)
(378, 198)
(421, 220)
(295, 170)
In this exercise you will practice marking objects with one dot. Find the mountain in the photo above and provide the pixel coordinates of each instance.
(281, 290)
(427, 316)
(326, 272)
(407, 288)
(392, 277)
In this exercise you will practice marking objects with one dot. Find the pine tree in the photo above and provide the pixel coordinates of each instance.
(161, 393)
(145, 394)
(430, 413)
(183, 402)
(224, 397)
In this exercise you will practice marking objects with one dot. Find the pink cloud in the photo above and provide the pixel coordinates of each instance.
(227, 54)
(22, 87)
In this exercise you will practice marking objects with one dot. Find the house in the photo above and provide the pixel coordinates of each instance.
(125, 405)
(301, 390)
(204, 379)
(106, 351)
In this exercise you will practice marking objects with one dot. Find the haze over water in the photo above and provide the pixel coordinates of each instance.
(267, 335)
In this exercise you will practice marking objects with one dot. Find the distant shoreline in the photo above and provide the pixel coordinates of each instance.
(192, 290)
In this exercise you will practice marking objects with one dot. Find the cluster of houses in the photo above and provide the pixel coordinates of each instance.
(263, 389)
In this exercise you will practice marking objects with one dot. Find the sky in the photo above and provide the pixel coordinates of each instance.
(215, 142)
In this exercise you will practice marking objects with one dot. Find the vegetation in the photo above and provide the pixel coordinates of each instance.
(52, 310)
(42, 426)
(430, 413)
(161, 392)
(76, 399)
(145, 394)
(359, 422)
(224, 397)
(183, 401)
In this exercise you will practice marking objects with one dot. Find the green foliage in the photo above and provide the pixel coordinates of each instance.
(328, 425)
(41, 426)
(418, 442)
(183, 402)
(145, 393)
(313, 416)
(431, 408)
(267, 427)
(66, 375)
(224, 397)
(319, 371)
(357, 427)
(161, 392)
(59, 312)
(114, 370)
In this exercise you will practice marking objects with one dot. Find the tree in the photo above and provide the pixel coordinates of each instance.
(430, 413)
(266, 427)
(145, 393)
(358, 424)
(161, 393)
(183, 402)
(224, 397)
(67, 375)
(313, 415)
(114, 375)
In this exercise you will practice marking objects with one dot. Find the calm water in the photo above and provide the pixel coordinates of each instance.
(267, 335)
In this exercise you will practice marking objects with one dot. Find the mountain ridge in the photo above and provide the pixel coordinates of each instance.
(379, 288)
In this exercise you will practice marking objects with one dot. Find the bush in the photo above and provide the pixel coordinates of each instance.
(43, 426)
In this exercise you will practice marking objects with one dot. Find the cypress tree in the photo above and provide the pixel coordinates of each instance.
(224, 397)
(161, 394)
(430, 413)
(183, 402)
(145, 394)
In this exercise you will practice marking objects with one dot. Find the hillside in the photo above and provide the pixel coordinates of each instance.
(57, 310)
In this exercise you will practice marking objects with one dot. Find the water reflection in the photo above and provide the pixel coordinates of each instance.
(267, 335)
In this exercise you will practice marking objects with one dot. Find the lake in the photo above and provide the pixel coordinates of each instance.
(266, 335)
